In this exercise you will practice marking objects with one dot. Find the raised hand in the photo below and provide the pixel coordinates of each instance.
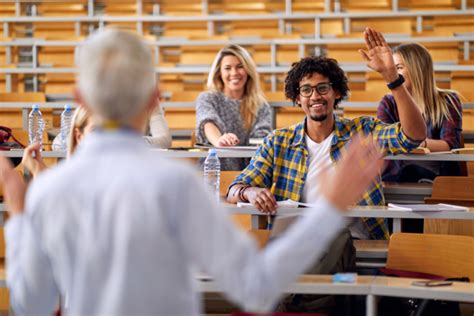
(228, 139)
(354, 172)
(379, 55)
(32, 159)
(14, 187)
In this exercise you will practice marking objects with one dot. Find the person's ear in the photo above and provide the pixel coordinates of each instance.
(78, 135)
(297, 101)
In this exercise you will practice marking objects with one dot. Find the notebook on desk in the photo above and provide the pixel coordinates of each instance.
(427, 207)
(204, 146)
(426, 151)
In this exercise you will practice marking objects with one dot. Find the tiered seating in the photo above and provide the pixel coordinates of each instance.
(429, 4)
(366, 5)
(463, 81)
(307, 6)
(13, 117)
(366, 87)
(328, 28)
(177, 7)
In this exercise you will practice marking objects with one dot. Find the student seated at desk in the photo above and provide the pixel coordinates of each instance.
(441, 110)
(234, 109)
(119, 230)
(292, 158)
(160, 133)
(81, 125)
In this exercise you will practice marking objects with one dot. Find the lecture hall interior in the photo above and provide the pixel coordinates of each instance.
(39, 43)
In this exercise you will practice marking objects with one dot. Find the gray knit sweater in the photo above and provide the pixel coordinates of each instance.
(224, 112)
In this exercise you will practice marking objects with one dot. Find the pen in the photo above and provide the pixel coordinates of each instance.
(269, 217)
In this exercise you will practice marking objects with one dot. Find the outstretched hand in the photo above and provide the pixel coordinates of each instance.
(379, 55)
(228, 139)
(14, 187)
(353, 173)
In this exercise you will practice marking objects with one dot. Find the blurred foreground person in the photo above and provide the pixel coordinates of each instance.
(118, 229)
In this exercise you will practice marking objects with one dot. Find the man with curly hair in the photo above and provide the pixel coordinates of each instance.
(292, 159)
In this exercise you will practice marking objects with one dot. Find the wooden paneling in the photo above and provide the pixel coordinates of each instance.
(288, 116)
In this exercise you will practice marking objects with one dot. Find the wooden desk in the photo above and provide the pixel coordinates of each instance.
(371, 286)
(169, 153)
(432, 157)
(401, 287)
(359, 211)
(310, 284)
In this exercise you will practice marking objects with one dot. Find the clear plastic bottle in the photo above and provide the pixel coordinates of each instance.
(212, 173)
(35, 125)
(66, 122)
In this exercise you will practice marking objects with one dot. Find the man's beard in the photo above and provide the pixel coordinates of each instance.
(318, 118)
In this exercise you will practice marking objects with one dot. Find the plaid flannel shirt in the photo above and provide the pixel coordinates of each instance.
(283, 159)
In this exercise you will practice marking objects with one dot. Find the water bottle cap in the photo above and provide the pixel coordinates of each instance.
(35, 107)
(67, 107)
(212, 151)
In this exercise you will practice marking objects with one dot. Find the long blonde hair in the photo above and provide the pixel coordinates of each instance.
(253, 97)
(79, 121)
(433, 101)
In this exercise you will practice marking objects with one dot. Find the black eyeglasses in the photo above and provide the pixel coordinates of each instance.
(321, 88)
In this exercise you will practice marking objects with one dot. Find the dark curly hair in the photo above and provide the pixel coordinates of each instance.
(328, 67)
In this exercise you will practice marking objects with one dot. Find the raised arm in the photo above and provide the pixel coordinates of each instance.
(33, 290)
(379, 58)
(160, 133)
(32, 159)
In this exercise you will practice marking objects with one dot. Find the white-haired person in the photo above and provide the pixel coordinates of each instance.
(234, 109)
(118, 229)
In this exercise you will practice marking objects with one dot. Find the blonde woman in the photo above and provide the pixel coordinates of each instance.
(441, 109)
(234, 109)
(81, 125)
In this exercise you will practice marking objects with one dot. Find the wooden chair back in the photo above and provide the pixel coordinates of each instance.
(227, 177)
(261, 236)
(454, 190)
(444, 255)
(243, 221)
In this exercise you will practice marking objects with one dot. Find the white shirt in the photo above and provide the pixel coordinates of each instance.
(319, 155)
(116, 229)
(319, 160)
(160, 133)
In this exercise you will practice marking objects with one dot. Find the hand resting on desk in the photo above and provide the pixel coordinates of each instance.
(352, 175)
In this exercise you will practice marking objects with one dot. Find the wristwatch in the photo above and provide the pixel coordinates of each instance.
(397, 83)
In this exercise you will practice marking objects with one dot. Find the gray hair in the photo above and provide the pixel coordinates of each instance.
(116, 76)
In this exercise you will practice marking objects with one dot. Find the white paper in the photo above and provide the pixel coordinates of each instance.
(426, 207)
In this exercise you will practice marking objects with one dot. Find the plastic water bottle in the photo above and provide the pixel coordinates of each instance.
(66, 122)
(212, 173)
(35, 125)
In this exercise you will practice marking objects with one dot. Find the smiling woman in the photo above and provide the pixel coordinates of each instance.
(234, 109)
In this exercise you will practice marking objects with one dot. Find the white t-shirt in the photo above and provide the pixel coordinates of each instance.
(319, 160)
